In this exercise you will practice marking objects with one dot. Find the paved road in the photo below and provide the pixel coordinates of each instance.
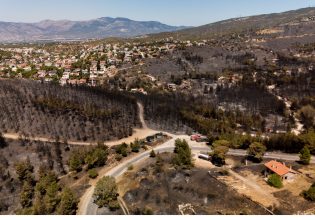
(271, 155)
(87, 206)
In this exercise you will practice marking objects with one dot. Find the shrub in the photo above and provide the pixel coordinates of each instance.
(113, 205)
(152, 154)
(68, 204)
(122, 149)
(105, 191)
(220, 143)
(305, 156)
(24, 170)
(118, 157)
(307, 115)
(93, 174)
(130, 167)
(309, 140)
(76, 161)
(256, 151)
(135, 146)
(289, 143)
(97, 157)
(310, 194)
(218, 155)
(182, 154)
(275, 181)
(26, 195)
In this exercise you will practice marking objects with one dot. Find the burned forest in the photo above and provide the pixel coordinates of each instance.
(33, 109)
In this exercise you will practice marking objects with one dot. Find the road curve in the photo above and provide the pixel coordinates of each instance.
(87, 207)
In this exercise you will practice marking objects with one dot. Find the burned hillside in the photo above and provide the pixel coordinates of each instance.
(33, 109)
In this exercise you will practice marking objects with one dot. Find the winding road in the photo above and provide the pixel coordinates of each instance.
(86, 205)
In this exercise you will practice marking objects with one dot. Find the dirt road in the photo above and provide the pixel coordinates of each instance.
(86, 205)
(139, 133)
(298, 129)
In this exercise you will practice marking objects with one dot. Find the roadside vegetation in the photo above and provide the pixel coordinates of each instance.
(152, 154)
(123, 150)
(93, 174)
(256, 151)
(105, 193)
(220, 149)
(182, 157)
(94, 158)
(305, 156)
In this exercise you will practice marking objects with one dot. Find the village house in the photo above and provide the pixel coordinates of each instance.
(275, 167)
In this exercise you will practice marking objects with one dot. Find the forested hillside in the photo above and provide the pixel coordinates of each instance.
(33, 109)
(184, 113)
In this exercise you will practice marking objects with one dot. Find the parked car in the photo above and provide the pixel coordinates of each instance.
(204, 157)
(195, 137)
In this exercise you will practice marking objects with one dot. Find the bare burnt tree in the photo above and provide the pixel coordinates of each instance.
(78, 113)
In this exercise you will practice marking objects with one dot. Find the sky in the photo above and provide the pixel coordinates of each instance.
(172, 12)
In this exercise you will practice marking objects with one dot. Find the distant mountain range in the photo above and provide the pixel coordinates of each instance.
(79, 30)
(284, 24)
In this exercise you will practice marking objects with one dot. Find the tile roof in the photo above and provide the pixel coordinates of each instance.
(277, 167)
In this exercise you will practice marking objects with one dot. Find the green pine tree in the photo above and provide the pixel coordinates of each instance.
(305, 156)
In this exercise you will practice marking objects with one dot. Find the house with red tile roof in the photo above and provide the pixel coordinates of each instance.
(280, 169)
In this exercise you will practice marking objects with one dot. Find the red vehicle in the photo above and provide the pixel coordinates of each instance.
(195, 137)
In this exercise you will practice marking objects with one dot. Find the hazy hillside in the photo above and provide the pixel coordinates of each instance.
(76, 30)
(285, 21)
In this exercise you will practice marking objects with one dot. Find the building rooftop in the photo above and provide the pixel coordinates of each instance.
(277, 167)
